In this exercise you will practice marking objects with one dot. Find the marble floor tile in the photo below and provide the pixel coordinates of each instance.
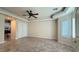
(30, 44)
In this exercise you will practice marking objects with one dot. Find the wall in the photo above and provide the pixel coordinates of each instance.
(77, 23)
(21, 29)
(2, 17)
(42, 29)
(77, 30)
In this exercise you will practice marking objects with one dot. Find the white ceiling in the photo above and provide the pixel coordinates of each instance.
(44, 12)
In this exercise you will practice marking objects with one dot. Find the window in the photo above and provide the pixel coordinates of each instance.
(66, 27)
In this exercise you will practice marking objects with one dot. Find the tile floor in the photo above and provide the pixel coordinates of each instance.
(30, 44)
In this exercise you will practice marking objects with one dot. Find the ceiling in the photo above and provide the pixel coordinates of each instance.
(44, 12)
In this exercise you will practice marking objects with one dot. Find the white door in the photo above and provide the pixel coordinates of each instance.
(21, 29)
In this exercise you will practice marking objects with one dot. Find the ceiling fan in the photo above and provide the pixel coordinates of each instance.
(31, 14)
(57, 11)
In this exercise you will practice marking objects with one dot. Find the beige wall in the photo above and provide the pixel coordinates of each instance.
(2, 18)
(42, 29)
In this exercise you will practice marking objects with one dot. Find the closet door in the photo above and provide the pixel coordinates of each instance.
(24, 29)
(21, 29)
(18, 29)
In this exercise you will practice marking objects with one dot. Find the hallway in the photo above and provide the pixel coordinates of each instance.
(32, 44)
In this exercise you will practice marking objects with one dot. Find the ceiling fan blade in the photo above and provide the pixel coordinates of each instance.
(27, 11)
(55, 8)
(36, 14)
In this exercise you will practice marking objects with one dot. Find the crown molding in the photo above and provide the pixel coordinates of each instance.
(5, 12)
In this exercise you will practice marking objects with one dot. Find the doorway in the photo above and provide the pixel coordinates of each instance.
(9, 28)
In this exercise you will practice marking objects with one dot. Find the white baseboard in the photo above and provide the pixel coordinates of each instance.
(21, 37)
(42, 37)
